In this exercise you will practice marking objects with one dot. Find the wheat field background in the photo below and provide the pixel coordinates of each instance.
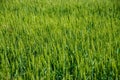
(59, 40)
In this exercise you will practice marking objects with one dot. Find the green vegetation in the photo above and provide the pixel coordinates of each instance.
(59, 40)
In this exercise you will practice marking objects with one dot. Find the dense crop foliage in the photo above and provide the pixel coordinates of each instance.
(59, 40)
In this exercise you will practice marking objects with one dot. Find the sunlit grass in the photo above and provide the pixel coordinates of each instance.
(59, 40)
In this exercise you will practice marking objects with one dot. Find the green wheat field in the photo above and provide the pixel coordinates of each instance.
(59, 40)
